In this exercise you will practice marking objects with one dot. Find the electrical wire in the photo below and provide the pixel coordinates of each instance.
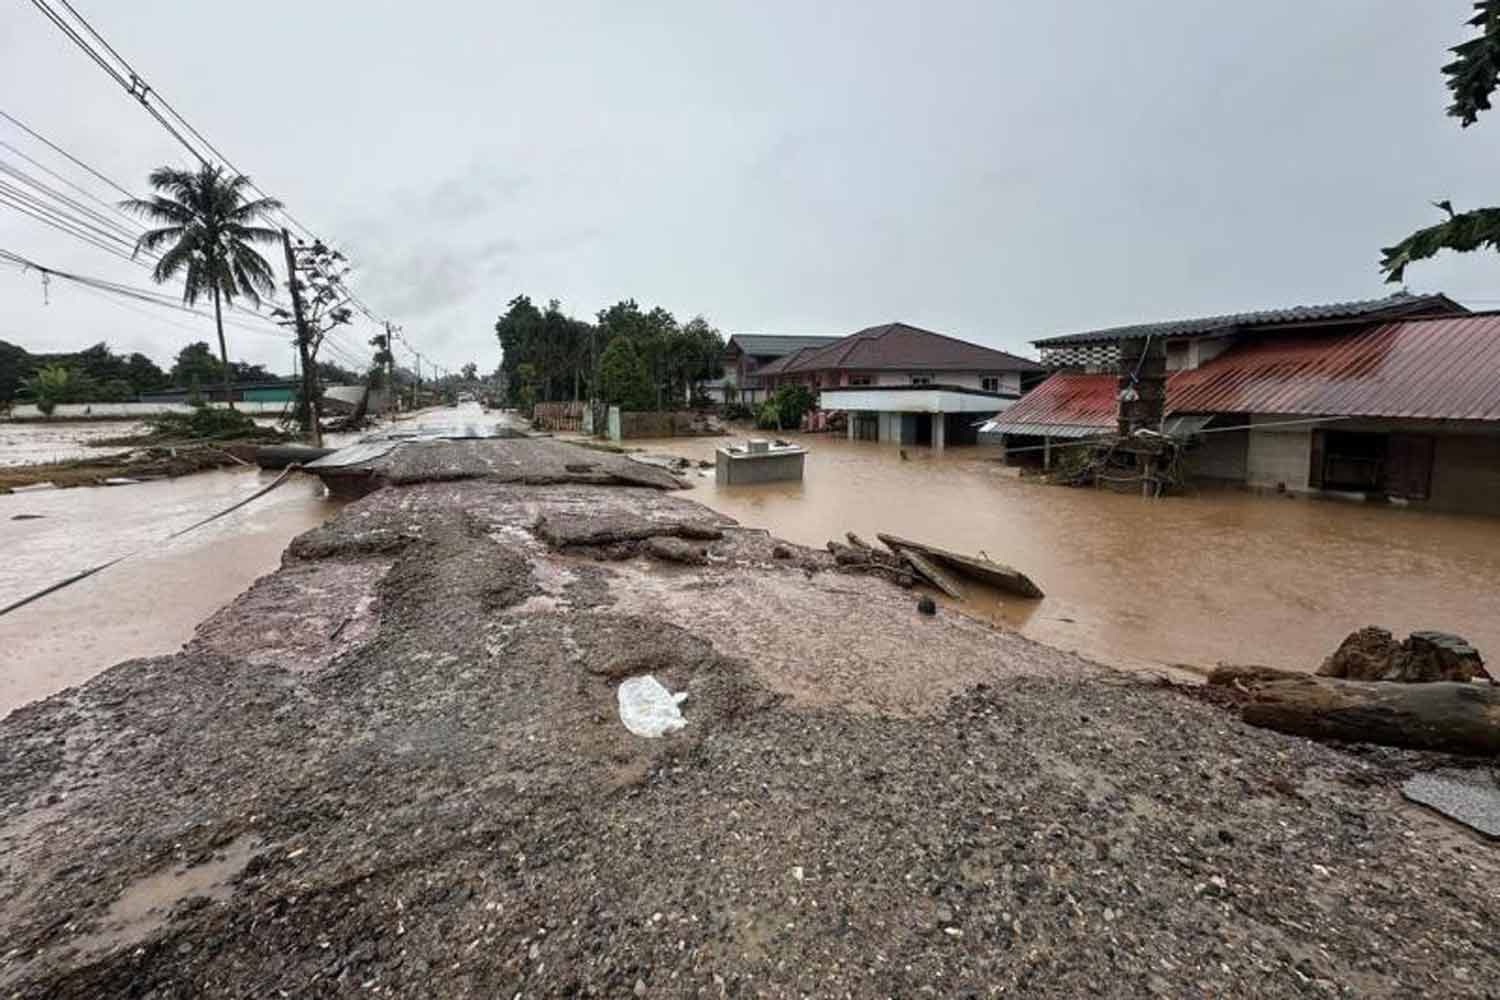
(62, 152)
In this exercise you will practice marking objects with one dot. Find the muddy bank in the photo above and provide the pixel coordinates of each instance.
(396, 765)
(138, 464)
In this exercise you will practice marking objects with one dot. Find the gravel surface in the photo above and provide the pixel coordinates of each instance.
(395, 767)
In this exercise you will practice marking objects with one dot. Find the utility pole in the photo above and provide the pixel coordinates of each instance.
(416, 388)
(304, 348)
(390, 366)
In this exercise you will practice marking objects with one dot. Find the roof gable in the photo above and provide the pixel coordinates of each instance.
(767, 345)
(900, 346)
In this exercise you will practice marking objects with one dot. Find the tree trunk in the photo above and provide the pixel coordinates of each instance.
(223, 352)
(1445, 716)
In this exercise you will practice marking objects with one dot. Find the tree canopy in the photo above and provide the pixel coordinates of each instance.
(623, 379)
(547, 355)
(95, 374)
(1472, 78)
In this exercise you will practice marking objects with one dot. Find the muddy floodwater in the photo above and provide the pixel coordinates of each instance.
(1222, 576)
(150, 603)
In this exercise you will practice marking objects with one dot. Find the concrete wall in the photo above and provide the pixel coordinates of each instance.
(660, 424)
(1220, 456)
(1278, 455)
(1466, 474)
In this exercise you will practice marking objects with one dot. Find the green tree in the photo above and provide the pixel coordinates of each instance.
(623, 380)
(470, 372)
(15, 365)
(143, 374)
(207, 227)
(784, 410)
(196, 363)
(51, 385)
(1472, 77)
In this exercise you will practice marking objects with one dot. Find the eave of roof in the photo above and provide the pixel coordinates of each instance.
(841, 355)
(1401, 304)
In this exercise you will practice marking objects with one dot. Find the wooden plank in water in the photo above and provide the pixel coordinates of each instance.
(995, 574)
(927, 570)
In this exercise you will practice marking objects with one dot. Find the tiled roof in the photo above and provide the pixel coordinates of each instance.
(906, 348)
(1445, 368)
(766, 345)
(1399, 304)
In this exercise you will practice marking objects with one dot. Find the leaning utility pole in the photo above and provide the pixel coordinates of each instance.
(304, 348)
(390, 366)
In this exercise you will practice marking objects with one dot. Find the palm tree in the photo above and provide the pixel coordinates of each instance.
(207, 225)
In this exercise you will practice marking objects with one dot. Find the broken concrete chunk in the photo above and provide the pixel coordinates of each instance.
(1470, 797)
(649, 709)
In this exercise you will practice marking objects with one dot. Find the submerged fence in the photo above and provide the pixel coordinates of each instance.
(558, 416)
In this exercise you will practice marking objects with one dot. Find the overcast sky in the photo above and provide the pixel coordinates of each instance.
(999, 171)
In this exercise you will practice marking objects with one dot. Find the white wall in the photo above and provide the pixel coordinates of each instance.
(1009, 381)
(28, 411)
(1278, 455)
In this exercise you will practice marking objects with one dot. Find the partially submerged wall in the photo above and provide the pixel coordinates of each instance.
(669, 423)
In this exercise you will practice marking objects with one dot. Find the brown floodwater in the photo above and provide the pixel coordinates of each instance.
(1228, 575)
(149, 604)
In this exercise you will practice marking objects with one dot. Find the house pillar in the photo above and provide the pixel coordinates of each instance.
(939, 431)
(850, 416)
(1046, 453)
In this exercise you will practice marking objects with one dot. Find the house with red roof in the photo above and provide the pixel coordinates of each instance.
(904, 385)
(1395, 398)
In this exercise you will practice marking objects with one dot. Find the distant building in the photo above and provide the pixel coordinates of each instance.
(276, 391)
(905, 385)
(1392, 398)
(747, 353)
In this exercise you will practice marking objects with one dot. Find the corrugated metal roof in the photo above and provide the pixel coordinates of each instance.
(1432, 369)
(769, 345)
(1401, 303)
(1419, 369)
(900, 346)
(1041, 430)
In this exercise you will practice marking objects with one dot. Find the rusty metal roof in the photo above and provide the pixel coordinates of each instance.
(1446, 368)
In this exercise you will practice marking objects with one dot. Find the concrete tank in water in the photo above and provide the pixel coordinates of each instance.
(758, 461)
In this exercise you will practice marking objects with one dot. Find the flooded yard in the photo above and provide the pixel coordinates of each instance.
(1220, 576)
(37, 444)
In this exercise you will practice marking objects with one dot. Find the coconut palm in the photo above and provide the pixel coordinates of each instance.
(207, 227)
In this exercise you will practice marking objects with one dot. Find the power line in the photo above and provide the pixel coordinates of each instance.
(62, 152)
(76, 187)
(123, 73)
(21, 207)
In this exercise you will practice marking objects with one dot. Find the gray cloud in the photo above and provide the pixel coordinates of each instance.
(999, 171)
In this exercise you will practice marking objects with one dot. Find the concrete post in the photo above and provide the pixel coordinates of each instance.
(939, 431)
(850, 415)
(614, 423)
(1046, 453)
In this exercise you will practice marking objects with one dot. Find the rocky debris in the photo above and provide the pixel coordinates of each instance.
(676, 550)
(450, 807)
(853, 559)
(1373, 654)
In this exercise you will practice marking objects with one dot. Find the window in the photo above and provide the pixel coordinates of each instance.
(921, 380)
(861, 380)
(990, 383)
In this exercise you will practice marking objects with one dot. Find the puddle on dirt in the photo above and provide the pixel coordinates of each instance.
(149, 604)
(1221, 576)
(146, 903)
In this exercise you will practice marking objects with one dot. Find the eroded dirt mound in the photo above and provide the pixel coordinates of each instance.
(447, 805)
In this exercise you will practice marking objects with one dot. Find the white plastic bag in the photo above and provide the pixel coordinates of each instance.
(649, 709)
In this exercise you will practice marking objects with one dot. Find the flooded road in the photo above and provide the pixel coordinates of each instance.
(148, 604)
(1222, 576)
